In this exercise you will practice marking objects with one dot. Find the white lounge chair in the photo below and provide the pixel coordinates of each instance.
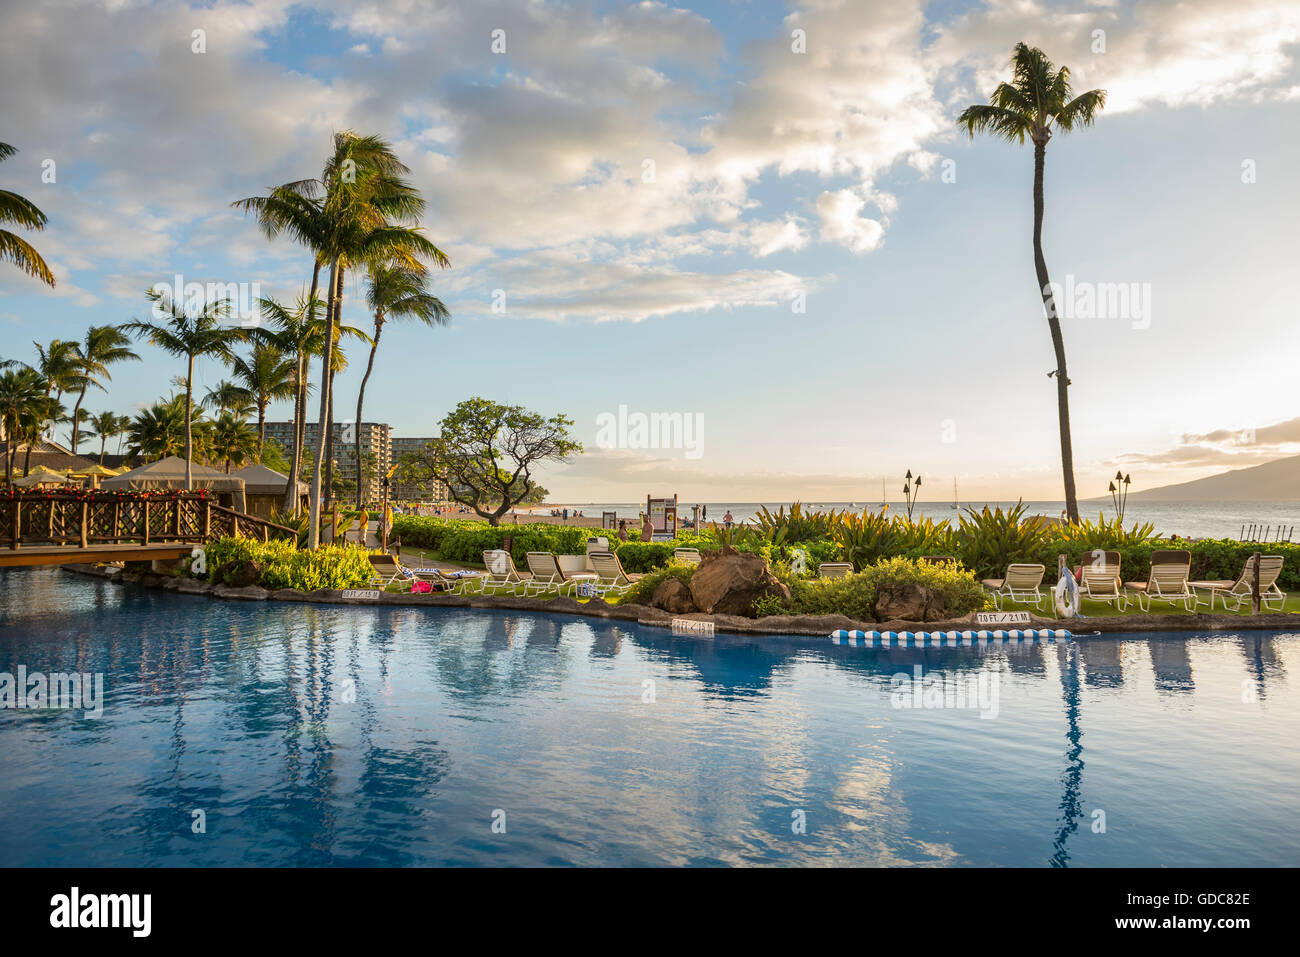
(1167, 580)
(610, 576)
(687, 556)
(547, 575)
(1021, 584)
(1239, 592)
(1100, 579)
(387, 570)
(501, 572)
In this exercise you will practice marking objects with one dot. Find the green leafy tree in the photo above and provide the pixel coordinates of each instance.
(266, 375)
(104, 426)
(486, 452)
(233, 440)
(21, 212)
(1035, 104)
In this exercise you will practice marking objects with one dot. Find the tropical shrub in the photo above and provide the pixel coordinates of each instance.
(642, 591)
(988, 541)
(285, 566)
(855, 595)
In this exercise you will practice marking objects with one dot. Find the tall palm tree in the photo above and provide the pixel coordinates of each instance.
(21, 212)
(394, 292)
(1036, 103)
(105, 425)
(22, 393)
(103, 346)
(193, 334)
(266, 375)
(347, 217)
(156, 432)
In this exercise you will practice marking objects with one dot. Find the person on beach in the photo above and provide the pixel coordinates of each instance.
(647, 528)
(622, 530)
(727, 520)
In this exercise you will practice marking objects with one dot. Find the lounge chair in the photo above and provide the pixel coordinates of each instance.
(387, 570)
(1238, 592)
(687, 556)
(1100, 581)
(501, 572)
(610, 576)
(547, 575)
(1167, 580)
(834, 569)
(1020, 584)
(452, 583)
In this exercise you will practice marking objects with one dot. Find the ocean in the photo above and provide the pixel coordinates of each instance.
(1232, 520)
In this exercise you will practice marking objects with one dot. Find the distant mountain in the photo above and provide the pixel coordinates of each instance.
(1277, 481)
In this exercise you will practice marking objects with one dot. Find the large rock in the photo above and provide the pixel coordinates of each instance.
(673, 595)
(907, 601)
(239, 573)
(729, 584)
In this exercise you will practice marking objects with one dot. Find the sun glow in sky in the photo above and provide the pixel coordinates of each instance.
(687, 213)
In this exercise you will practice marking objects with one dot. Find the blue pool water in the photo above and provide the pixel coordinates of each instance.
(318, 735)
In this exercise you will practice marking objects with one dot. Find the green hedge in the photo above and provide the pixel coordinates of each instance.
(456, 540)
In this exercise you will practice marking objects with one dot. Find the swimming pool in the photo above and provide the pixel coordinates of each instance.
(333, 735)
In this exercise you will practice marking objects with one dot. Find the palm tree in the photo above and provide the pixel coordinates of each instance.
(102, 347)
(233, 440)
(22, 212)
(346, 217)
(22, 393)
(394, 292)
(192, 334)
(105, 425)
(1037, 102)
(227, 396)
(266, 375)
(157, 432)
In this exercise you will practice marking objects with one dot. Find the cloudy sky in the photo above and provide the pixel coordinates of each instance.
(756, 213)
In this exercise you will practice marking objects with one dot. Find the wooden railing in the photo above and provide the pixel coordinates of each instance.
(98, 518)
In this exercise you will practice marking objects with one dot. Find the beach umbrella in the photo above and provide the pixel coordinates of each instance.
(41, 475)
(95, 469)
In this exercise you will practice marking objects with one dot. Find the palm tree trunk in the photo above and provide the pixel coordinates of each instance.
(329, 433)
(300, 405)
(103, 443)
(1058, 341)
(189, 434)
(76, 419)
(313, 528)
(261, 426)
(374, 347)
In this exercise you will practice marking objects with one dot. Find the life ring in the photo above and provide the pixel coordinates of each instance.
(1067, 596)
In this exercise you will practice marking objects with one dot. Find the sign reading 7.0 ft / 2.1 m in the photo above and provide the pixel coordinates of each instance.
(1002, 617)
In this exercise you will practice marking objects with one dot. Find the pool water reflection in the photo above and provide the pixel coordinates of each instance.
(319, 735)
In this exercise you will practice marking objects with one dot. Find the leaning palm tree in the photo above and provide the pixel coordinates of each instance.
(21, 212)
(394, 292)
(103, 426)
(22, 391)
(1036, 103)
(193, 334)
(102, 347)
(265, 376)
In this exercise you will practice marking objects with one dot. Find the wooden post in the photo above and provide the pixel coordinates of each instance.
(207, 520)
(176, 517)
(1254, 585)
(117, 521)
(18, 523)
(85, 524)
(145, 504)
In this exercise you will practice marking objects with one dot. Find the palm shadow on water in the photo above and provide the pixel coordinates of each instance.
(1071, 805)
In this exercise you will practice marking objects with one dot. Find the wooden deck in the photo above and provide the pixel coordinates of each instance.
(69, 554)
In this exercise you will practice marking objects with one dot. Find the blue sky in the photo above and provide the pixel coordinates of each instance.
(777, 173)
